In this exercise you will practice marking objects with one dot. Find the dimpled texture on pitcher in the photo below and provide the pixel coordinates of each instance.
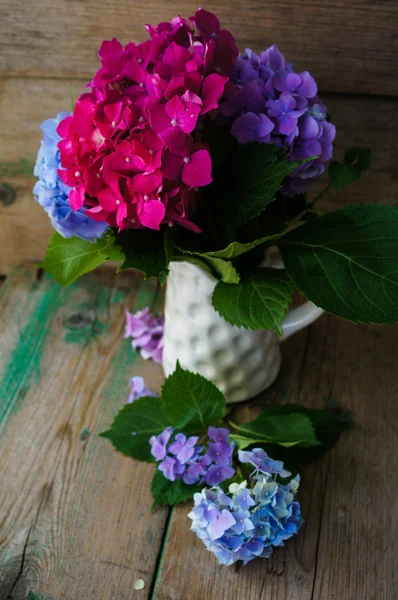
(240, 362)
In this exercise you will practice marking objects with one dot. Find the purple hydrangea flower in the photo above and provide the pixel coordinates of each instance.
(183, 448)
(262, 462)
(158, 443)
(285, 114)
(303, 84)
(147, 333)
(197, 470)
(183, 459)
(266, 101)
(138, 389)
(52, 194)
(217, 474)
(252, 128)
(234, 533)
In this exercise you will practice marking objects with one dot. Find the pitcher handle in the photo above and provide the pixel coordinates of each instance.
(298, 317)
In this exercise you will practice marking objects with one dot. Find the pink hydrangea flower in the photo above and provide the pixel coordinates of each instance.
(132, 150)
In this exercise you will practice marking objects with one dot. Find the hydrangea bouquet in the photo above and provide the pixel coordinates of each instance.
(186, 149)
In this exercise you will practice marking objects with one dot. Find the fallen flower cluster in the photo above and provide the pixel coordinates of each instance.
(250, 520)
(181, 458)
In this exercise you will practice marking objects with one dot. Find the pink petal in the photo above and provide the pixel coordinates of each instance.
(173, 137)
(129, 117)
(158, 117)
(121, 214)
(152, 214)
(190, 117)
(110, 48)
(63, 127)
(189, 96)
(146, 182)
(97, 214)
(83, 117)
(107, 198)
(113, 111)
(206, 22)
(116, 162)
(175, 109)
(175, 57)
(212, 90)
(136, 72)
(197, 172)
(189, 225)
(76, 198)
(171, 165)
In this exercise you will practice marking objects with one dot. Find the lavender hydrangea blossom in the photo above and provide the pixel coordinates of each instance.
(138, 389)
(52, 194)
(146, 331)
(183, 459)
(249, 520)
(268, 102)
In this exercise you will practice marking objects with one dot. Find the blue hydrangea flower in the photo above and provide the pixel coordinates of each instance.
(51, 192)
(252, 518)
(270, 103)
(181, 458)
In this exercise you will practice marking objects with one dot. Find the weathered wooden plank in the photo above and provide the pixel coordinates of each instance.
(347, 548)
(349, 47)
(25, 228)
(75, 516)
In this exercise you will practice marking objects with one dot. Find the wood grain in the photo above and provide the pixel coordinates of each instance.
(347, 548)
(349, 47)
(75, 520)
(25, 228)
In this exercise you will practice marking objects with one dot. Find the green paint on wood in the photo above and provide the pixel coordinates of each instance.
(24, 166)
(33, 596)
(80, 326)
(85, 434)
(23, 368)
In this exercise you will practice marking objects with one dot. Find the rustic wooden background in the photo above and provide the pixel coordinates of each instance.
(75, 520)
(48, 48)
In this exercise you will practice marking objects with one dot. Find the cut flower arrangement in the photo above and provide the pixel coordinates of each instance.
(185, 150)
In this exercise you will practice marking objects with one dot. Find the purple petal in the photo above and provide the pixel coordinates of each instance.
(219, 525)
(309, 128)
(308, 85)
(286, 124)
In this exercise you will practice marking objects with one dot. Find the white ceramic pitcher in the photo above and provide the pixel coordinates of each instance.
(241, 362)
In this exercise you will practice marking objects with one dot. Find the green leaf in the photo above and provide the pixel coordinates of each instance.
(68, 259)
(287, 430)
(260, 301)
(171, 492)
(144, 251)
(134, 425)
(112, 251)
(356, 162)
(328, 427)
(222, 269)
(235, 249)
(346, 262)
(190, 402)
(254, 177)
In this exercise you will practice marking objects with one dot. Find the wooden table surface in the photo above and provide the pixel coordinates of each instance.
(75, 516)
(75, 520)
